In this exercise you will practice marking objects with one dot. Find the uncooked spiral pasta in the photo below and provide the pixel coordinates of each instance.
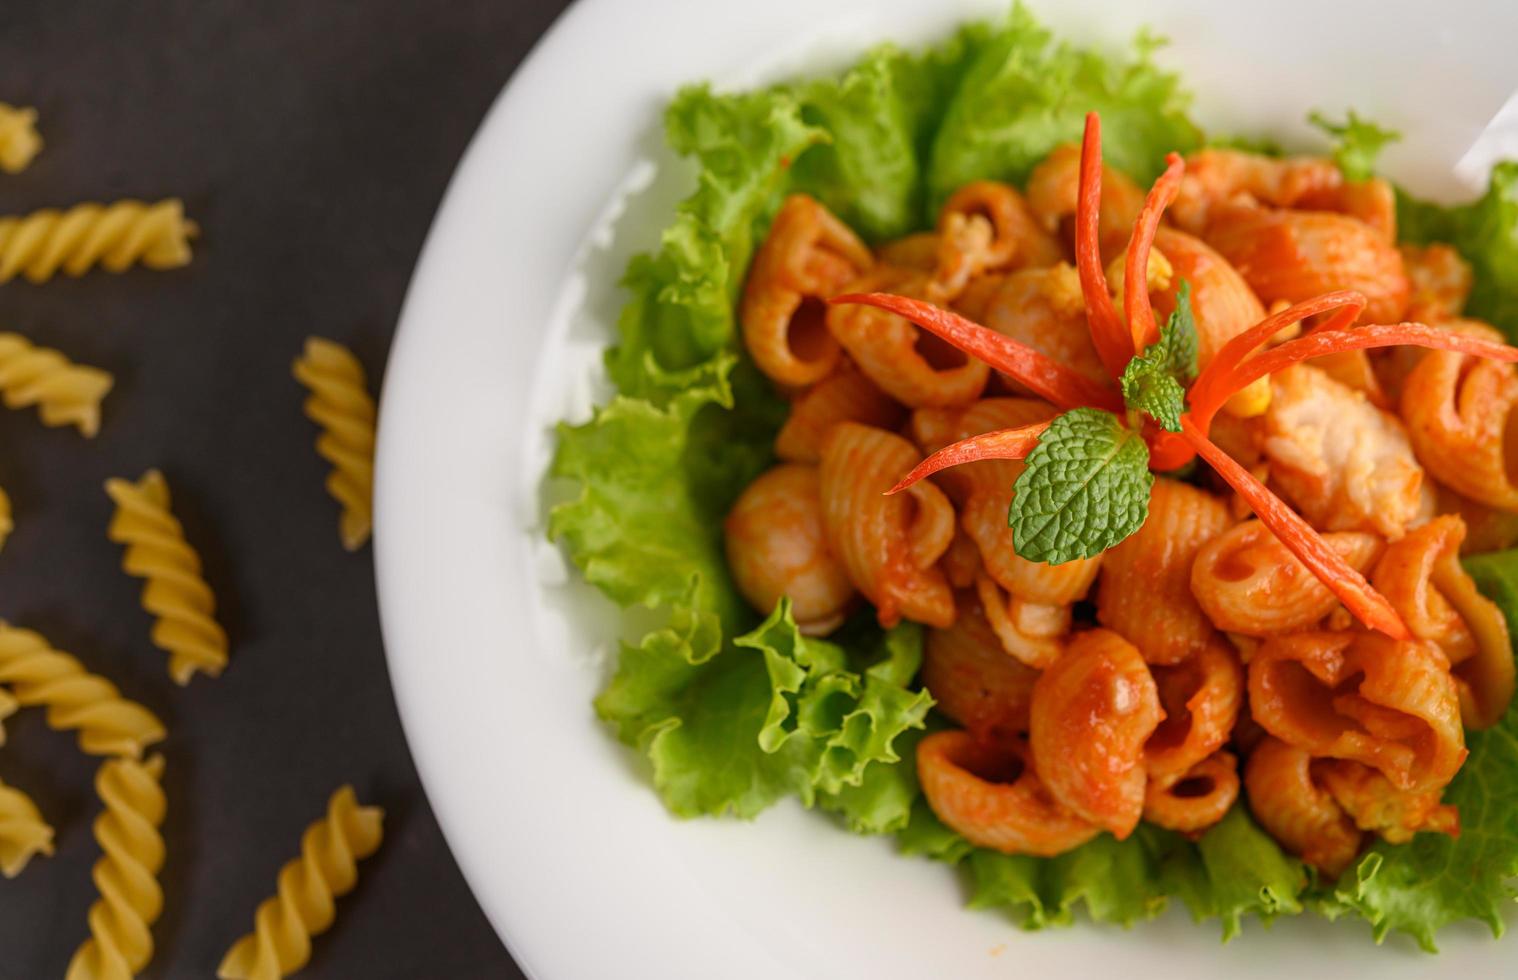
(7, 523)
(64, 393)
(112, 236)
(176, 593)
(280, 942)
(23, 832)
(8, 706)
(19, 140)
(76, 700)
(121, 920)
(341, 405)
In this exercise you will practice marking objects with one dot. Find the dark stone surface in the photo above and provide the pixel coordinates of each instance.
(312, 141)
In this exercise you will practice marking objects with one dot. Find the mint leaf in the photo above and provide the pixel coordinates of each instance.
(1359, 143)
(1086, 487)
(1154, 381)
(1155, 392)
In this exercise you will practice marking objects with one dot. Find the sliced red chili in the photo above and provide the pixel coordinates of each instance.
(1136, 272)
(1113, 343)
(1213, 387)
(1001, 444)
(1045, 376)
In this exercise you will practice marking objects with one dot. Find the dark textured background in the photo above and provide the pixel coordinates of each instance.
(312, 142)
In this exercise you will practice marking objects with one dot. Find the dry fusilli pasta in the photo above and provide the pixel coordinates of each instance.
(280, 942)
(76, 700)
(63, 392)
(113, 236)
(121, 940)
(8, 707)
(175, 592)
(23, 832)
(341, 405)
(19, 141)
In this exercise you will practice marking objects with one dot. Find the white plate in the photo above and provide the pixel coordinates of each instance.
(495, 650)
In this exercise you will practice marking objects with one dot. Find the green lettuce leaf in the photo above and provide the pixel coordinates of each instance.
(1420, 887)
(1233, 871)
(1486, 233)
(1024, 95)
(1357, 143)
(1243, 870)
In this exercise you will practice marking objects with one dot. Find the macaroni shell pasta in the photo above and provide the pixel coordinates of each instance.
(1054, 186)
(992, 796)
(888, 545)
(75, 699)
(1092, 712)
(176, 593)
(1198, 798)
(1379, 807)
(1295, 810)
(843, 396)
(1201, 697)
(1440, 279)
(984, 492)
(23, 832)
(1296, 255)
(1345, 464)
(909, 364)
(985, 226)
(112, 236)
(1145, 589)
(1457, 410)
(121, 940)
(1222, 305)
(1248, 582)
(309, 886)
(1032, 632)
(1421, 576)
(64, 393)
(807, 256)
(1041, 308)
(973, 680)
(1363, 697)
(1216, 177)
(777, 546)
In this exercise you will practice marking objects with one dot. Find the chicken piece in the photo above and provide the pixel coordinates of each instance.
(1345, 464)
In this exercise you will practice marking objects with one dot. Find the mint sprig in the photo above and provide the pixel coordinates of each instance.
(1086, 487)
(1154, 382)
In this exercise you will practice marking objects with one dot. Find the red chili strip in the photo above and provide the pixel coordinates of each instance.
(1167, 450)
(1136, 272)
(1045, 376)
(1368, 605)
(1320, 343)
(1214, 386)
(1113, 343)
(1002, 444)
